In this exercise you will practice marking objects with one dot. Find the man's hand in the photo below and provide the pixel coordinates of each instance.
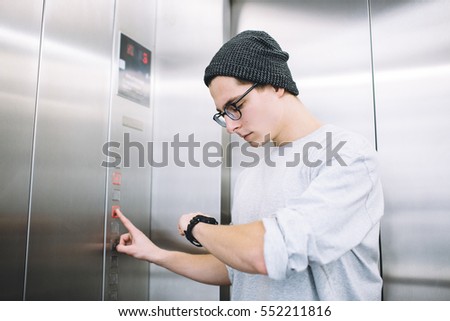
(135, 243)
(184, 220)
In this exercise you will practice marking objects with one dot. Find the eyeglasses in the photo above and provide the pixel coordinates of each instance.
(231, 109)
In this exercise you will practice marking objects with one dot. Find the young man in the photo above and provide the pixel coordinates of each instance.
(306, 218)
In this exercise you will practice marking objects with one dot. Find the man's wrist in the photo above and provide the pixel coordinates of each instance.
(194, 221)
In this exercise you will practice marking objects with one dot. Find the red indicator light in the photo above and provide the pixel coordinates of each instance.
(130, 50)
(113, 211)
(145, 58)
(116, 178)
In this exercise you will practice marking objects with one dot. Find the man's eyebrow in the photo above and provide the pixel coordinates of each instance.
(227, 103)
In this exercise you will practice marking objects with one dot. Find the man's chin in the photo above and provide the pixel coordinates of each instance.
(255, 144)
(258, 143)
(253, 140)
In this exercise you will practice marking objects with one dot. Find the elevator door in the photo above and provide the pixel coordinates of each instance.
(19, 57)
(411, 41)
(65, 246)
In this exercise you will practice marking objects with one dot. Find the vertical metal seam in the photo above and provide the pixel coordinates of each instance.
(111, 84)
(225, 186)
(374, 123)
(225, 200)
(152, 106)
(373, 74)
(33, 151)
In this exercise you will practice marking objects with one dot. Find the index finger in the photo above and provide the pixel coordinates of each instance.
(125, 221)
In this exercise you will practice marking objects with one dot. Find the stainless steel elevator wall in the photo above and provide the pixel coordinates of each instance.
(59, 106)
(188, 35)
(66, 222)
(19, 57)
(330, 45)
(411, 42)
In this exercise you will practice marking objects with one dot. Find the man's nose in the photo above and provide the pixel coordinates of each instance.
(232, 125)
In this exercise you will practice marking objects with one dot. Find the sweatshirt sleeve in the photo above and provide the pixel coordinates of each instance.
(332, 216)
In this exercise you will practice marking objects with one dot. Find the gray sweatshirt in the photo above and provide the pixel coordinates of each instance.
(320, 200)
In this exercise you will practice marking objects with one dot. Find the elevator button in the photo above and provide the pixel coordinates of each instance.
(116, 195)
(113, 295)
(113, 210)
(113, 278)
(115, 229)
(114, 245)
(114, 262)
(116, 178)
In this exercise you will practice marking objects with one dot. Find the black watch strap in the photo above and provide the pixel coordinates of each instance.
(194, 221)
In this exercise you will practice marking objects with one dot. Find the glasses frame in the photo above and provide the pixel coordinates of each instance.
(219, 117)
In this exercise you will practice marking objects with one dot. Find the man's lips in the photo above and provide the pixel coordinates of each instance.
(245, 136)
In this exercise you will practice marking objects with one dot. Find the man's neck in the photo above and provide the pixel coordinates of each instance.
(298, 122)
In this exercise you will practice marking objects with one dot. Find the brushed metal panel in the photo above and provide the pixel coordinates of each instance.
(20, 28)
(411, 45)
(67, 211)
(188, 35)
(329, 47)
(137, 20)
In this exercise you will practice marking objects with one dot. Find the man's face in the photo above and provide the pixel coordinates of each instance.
(260, 115)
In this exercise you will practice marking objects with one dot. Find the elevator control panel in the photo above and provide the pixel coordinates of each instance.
(113, 275)
(128, 119)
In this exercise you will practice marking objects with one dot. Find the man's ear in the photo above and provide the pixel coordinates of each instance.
(279, 91)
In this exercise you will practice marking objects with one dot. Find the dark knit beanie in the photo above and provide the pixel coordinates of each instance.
(252, 56)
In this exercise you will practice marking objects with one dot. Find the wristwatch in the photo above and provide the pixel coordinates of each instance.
(194, 221)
